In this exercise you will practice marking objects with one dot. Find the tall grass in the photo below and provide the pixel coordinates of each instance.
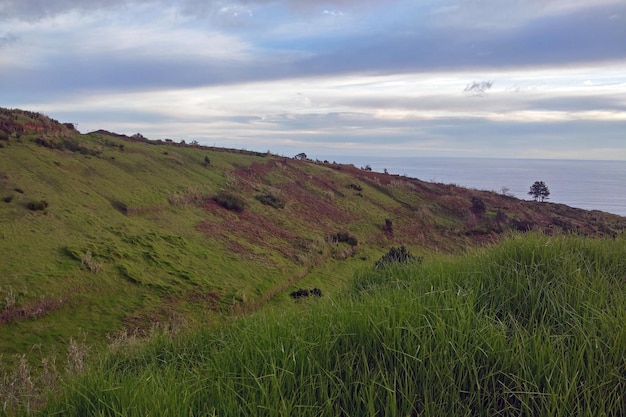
(532, 327)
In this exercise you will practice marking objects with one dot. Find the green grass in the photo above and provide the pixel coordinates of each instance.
(531, 327)
(130, 238)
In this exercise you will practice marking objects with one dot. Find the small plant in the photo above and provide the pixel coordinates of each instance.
(76, 357)
(120, 206)
(9, 299)
(523, 225)
(37, 205)
(90, 263)
(230, 202)
(18, 190)
(397, 255)
(501, 217)
(304, 293)
(388, 226)
(207, 161)
(344, 237)
(8, 198)
(16, 388)
(271, 200)
(478, 207)
(356, 187)
(506, 191)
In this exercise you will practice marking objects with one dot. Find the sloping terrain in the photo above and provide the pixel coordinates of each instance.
(102, 232)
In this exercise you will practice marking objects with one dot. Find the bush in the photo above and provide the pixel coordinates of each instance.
(523, 225)
(230, 202)
(121, 207)
(397, 255)
(70, 144)
(478, 207)
(37, 205)
(271, 200)
(304, 293)
(48, 143)
(388, 227)
(8, 198)
(344, 237)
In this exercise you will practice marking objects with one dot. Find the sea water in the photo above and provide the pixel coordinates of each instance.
(590, 185)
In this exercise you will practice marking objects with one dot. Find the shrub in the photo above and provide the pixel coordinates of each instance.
(356, 187)
(344, 237)
(230, 202)
(523, 225)
(304, 293)
(397, 255)
(271, 200)
(501, 217)
(478, 206)
(90, 263)
(121, 207)
(37, 205)
(48, 143)
(69, 144)
(8, 198)
(388, 227)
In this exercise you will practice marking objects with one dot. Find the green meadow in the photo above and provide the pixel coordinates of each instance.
(531, 327)
(150, 277)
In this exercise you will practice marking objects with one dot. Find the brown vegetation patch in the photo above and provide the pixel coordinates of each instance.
(253, 229)
(32, 310)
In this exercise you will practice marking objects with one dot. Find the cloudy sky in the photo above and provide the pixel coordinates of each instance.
(484, 78)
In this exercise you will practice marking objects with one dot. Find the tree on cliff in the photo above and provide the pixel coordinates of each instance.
(540, 191)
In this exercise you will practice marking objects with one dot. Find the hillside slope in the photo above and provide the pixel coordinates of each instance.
(102, 232)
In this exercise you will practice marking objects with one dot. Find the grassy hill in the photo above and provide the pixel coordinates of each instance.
(103, 234)
(531, 327)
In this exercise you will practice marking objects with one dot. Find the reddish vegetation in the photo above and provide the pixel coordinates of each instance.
(32, 310)
(437, 216)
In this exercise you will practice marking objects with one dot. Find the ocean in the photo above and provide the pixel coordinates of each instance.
(590, 185)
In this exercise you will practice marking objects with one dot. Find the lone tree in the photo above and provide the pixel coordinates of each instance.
(540, 191)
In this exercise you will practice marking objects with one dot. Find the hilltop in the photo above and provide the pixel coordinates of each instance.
(102, 233)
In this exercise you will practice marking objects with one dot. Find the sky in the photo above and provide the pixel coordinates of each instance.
(466, 78)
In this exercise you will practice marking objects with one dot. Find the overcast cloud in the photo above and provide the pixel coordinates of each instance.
(522, 78)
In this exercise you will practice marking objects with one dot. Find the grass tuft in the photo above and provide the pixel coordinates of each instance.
(37, 205)
(88, 261)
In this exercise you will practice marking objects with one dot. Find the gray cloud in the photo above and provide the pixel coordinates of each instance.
(583, 36)
(584, 103)
(164, 55)
(38, 9)
(478, 88)
(7, 39)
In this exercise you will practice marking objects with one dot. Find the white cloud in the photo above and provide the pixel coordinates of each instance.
(391, 107)
(391, 75)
